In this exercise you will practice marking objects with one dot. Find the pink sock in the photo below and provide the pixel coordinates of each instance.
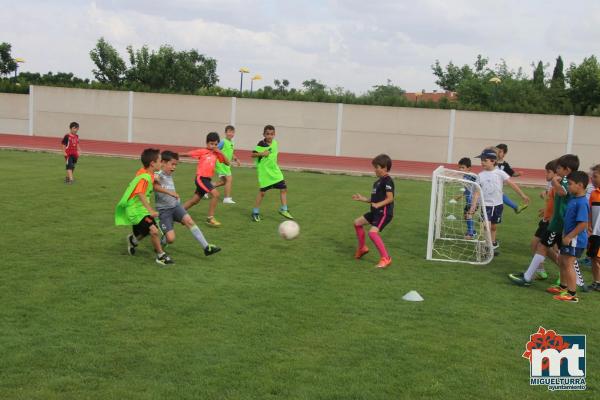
(360, 233)
(379, 244)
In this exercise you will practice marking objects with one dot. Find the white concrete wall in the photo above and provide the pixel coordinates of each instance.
(14, 113)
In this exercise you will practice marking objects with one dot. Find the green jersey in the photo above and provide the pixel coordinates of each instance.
(560, 206)
(266, 167)
(226, 147)
(130, 210)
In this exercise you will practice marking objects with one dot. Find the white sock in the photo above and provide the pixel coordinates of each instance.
(535, 263)
(199, 236)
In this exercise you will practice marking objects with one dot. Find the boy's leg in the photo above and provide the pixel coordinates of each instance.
(195, 231)
(192, 202)
(213, 203)
(596, 272)
(360, 235)
(256, 210)
(228, 179)
(283, 210)
(376, 239)
(570, 278)
(155, 238)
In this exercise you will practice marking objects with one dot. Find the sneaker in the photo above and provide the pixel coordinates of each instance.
(211, 249)
(595, 287)
(519, 279)
(541, 275)
(286, 214)
(384, 262)
(164, 259)
(256, 217)
(495, 245)
(565, 296)
(521, 208)
(555, 289)
(584, 288)
(130, 245)
(212, 221)
(361, 252)
(206, 196)
(228, 200)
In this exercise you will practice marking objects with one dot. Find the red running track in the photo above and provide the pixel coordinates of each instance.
(332, 164)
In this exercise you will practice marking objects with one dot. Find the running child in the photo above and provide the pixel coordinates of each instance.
(134, 207)
(464, 164)
(269, 174)
(169, 208)
(224, 170)
(207, 159)
(71, 150)
(594, 229)
(381, 213)
(505, 166)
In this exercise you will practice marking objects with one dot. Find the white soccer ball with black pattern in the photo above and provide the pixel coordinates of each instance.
(289, 230)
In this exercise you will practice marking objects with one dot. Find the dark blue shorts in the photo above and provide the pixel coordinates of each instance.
(279, 185)
(572, 251)
(203, 185)
(71, 161)
(378, 219)
(494, 213)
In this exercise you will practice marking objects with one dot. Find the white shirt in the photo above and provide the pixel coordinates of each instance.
(491, 183)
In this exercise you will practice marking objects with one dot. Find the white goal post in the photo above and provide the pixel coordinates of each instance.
(454, 235)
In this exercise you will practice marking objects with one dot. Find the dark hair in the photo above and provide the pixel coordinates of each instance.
(73, 125)
(570, 161)
(502, 147)
(229, 128)
(551, 166)
(169, 155)
(149, 155)
(383, 161)
(595, 168)
(268, 128)
(213, 137)
(466, 161)
(579, 177)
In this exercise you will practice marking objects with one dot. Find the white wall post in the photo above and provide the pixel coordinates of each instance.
(30, 110)
(338, 129)
(233, 111)
(451, 125)
(130, 119)
(570, 133)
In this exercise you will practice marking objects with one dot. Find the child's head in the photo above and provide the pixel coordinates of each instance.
(269, 133)
(212, 140)
(229, 132)
(464, 164)
(578, 181)
(488, 158)
(595, 172)
(502, 150)
(168, 161)
(382, 164)
(150, 159)
(550, 170)
(74, 127)
(567, 164)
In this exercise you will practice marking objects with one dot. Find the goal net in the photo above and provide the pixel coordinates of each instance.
(454, 235)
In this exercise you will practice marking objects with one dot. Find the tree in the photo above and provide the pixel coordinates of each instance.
(558, 77)
(585, 85)
(314, 86)
(538, 75)
(281, 86)
(7, 63)
(110, 66)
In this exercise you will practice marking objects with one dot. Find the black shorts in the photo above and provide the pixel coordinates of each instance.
(541, 230)
(71, 161)
(203, 185)
(551, 238)
(378, 219)
(494, 213)
(593, 246)
(143, 227)
(279, 185)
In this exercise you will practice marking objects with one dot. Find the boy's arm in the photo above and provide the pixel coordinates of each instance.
(389, 198)
(261, 154)
(474, 201)
(580, 227)
(142, 197)
(158, 188)
(517, 189)
(558, 188)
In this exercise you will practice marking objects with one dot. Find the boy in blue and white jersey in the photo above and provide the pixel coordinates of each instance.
(464, 164)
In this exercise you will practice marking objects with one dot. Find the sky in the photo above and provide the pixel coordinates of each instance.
(349, 43)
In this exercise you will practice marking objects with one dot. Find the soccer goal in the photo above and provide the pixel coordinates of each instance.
(454, 235)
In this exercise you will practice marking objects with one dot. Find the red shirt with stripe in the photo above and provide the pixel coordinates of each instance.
(71, 143)
(207, 159)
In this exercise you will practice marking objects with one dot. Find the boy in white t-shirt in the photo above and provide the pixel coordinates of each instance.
(492, 181)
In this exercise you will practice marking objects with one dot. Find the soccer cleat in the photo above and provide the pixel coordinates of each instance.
(256, 217)
(164, 259)
(541, 275)
(521, 208)
(594, 287)
(519, 279)
(565, 296)
(130, 245)
(211, 249)
(361, 252)
(495, 245)
(211, 221)
(228, 200)
(286, 214)
(384, 262)
(555, 289)
(584, 288)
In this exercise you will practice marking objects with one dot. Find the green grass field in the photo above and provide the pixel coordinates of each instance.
(265, 318)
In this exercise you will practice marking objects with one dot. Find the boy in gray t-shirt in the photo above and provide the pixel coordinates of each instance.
(168, 206)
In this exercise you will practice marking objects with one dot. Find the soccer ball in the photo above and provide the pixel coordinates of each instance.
(289, 230)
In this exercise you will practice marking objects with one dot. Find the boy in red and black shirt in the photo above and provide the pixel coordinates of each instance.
(71, 150)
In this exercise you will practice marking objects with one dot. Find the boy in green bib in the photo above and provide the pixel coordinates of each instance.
(134, 208)
(224, 170)
(269, 174)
